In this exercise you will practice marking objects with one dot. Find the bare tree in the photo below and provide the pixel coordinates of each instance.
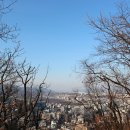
(8, 86)
(16, 112)
(110, 74)
(14, 77)
(7, 32)
(27, 75)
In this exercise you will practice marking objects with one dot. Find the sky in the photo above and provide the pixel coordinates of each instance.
(56, 33)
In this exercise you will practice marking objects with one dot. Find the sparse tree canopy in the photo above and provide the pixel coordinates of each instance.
(7, 32)
(109, 75)
(17, 108)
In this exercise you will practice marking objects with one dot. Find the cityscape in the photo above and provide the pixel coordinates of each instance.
(64, 65)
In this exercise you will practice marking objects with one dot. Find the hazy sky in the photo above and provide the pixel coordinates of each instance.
(55, 33)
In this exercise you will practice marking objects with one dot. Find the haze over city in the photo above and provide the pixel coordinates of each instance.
(64, 65)
(55, 33)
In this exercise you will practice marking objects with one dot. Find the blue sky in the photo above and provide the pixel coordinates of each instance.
(55, 33)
